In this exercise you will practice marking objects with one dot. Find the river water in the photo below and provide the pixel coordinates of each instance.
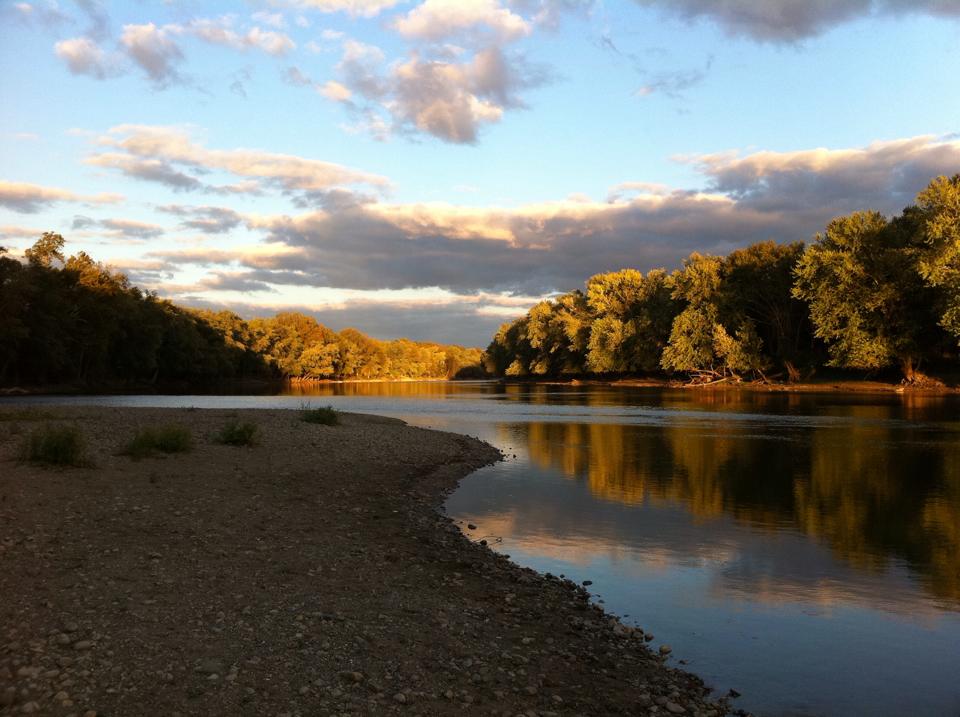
(801, 549)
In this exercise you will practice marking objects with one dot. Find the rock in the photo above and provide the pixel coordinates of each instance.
(665, 649)
(8, 697)
(349, 676)
(210, 666)
(400, 698)
(471, 526)
(587, 582)
(83, 645)
(30, 707)
(674, 709)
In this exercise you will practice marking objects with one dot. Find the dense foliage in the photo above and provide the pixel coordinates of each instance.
(869, 293)
(71, 320)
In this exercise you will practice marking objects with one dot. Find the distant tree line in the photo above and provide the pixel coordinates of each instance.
(72, 320)
(869, 293)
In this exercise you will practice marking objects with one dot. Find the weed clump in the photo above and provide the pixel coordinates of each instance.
(55, 446)
(324, 416)
(238, 433)
(165, 439)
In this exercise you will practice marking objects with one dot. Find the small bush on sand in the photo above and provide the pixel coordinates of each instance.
(166, 439)
(238, 433)
(56, 446)
(325, 416)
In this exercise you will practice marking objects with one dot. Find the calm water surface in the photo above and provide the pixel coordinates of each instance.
(801, 549)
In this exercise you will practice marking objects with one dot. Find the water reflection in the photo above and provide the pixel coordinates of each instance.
(871, 490)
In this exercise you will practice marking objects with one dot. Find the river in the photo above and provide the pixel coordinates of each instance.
(800, 549)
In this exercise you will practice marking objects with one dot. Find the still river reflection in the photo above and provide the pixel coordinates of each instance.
(802, 549)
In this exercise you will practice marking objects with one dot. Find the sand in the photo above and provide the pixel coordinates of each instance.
(310, 574)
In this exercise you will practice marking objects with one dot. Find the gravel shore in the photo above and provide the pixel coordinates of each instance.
(310, 574)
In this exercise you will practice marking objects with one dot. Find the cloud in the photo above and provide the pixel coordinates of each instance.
(46, 14)
(10, 231)
(883, 175)
(273, 19)
(357, 8)
(437, 20)
(220, 31)
(333, 90)
(447, 99)
(794, 20)
(673, 83)
(150, 170)
(99, 21)
(548, 13)
(85, 57)
(120, 228)
(785, 196)
(31, 198)
(205, 219)
(158, 154)
(154, 51)
(233, 281)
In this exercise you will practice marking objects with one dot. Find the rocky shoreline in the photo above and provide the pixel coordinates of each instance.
(310, 574)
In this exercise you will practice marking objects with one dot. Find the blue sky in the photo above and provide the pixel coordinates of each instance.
(433, 168)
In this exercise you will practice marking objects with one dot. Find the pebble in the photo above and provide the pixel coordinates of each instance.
(400, 698)
(665, 649)
(83, 645)
(674, 708)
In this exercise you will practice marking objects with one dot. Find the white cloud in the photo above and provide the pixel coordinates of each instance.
(144, 149)
(357, 8)
(154, 51)
(437, 20)
(30, 198)
(221, 31)
(333, 90)
(85, 57)
(450, 100)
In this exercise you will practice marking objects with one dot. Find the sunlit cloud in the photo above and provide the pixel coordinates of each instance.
(161, 154)
(357, 8)
(486, 20)
(30, 198)
(119, 228)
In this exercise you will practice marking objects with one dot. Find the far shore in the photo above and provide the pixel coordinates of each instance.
(311, 573)
(253, 386)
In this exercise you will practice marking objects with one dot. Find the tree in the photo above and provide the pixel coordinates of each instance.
(632, 314)
(47, 248)
(866, 296)
(938, 211)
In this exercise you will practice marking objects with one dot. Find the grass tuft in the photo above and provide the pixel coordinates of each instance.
(238, 433)
(56, 446)
(166, 439)
(325, 416)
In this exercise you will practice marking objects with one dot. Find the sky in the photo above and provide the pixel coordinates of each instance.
(433, 168)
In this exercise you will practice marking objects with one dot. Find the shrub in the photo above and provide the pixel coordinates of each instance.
(238, 433)
(55, 445)
(166, 439)
(325, 416)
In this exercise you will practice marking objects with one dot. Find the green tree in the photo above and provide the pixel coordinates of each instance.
(866, 296)
(938, 211)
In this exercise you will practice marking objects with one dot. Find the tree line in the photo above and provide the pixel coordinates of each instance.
(869, 293)
(74, 321)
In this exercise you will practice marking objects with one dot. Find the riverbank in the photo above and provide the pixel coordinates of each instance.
(819, 386)
(308, 574)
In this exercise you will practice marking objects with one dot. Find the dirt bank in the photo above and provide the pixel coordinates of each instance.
(309, 574)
